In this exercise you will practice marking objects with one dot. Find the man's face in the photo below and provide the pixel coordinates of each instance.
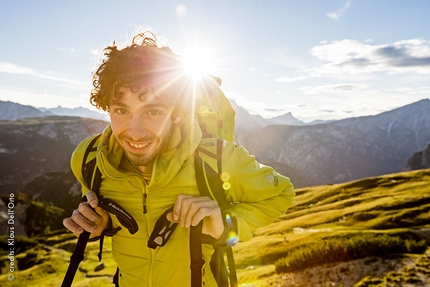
(142, 123)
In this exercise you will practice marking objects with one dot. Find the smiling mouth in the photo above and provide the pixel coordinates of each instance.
(139, 146)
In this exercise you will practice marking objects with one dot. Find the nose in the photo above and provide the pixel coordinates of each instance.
(137, 128)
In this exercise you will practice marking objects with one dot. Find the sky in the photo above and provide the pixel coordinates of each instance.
(325, 60)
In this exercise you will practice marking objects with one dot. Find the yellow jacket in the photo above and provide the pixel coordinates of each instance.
(260, 195)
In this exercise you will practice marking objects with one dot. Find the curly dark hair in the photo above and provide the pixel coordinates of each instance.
(141, 63)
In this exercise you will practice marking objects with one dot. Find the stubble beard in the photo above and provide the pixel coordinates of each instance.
(145, 160)
(138, 160)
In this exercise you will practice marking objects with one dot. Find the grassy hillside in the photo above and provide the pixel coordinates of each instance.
(373, 218)
(42, 262)
(368, 232)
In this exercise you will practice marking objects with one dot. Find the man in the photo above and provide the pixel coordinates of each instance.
(146, 157)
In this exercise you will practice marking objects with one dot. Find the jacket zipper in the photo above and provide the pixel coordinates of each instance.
(145, 195)
(148, 224)
(148, 219)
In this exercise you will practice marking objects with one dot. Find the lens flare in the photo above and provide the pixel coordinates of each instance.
(232, 235)
(198, 61)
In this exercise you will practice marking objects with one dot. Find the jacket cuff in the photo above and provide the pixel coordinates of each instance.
(230, 235)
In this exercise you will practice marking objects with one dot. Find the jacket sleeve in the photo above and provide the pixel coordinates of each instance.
(260, 194)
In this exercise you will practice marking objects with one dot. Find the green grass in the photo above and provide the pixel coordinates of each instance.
(389, 206)
(349, 247)
(45, 266)
(254, 275)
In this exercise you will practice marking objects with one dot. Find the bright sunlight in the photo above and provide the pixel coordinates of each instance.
(198, 62)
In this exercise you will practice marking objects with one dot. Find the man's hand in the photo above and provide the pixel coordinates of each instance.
(190, 210)
(89, 216)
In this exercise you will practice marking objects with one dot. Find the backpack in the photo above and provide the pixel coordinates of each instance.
(214, 112)
(216, 119)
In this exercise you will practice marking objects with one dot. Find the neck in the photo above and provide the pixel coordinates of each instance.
(144, 170)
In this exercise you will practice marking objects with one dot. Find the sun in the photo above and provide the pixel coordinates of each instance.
(198, 62)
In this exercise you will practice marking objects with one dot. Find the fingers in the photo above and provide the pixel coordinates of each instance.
(72, 226)
(82, 219)
(190, 210)
(92, 198)
(93, 220)
(77, 223)
(87, 214)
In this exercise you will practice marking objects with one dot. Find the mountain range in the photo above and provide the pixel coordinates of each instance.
(347, 149)
(244, 121)
(310, 154)
(35, 152)
(14, 111)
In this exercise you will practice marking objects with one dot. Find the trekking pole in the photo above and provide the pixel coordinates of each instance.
(76, 258)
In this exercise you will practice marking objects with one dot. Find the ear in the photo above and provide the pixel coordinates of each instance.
(176, 119)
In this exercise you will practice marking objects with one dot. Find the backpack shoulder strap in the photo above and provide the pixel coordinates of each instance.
(208, 168)
(92, 177)
(90, 172)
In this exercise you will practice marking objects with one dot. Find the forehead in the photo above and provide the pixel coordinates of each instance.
(142, 94)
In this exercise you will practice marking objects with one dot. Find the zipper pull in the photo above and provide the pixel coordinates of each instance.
(144, 203)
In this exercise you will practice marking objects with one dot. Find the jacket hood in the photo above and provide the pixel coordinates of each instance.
(185, 139)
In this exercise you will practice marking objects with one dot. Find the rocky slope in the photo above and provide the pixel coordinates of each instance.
(31, 147)
(397, 270)
(419, 160)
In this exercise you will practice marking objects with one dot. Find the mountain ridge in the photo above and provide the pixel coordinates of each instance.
(14, 111)
(346, 149)
(245, 121)
(309, 154)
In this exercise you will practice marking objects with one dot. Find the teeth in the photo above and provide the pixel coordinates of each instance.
(138, 145)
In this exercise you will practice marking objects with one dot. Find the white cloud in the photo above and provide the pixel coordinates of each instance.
(334, 88)
(43, 98)
(10, 68)
(291, 79)
(355, 57)
(14, 69)
(336, 15)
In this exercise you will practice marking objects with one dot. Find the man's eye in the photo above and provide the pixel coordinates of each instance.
(121, 111)
(154, 112)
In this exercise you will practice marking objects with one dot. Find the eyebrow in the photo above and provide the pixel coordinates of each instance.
(158, 105)
(118, 103)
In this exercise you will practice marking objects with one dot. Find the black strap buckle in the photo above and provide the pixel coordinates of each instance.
(163, 229)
